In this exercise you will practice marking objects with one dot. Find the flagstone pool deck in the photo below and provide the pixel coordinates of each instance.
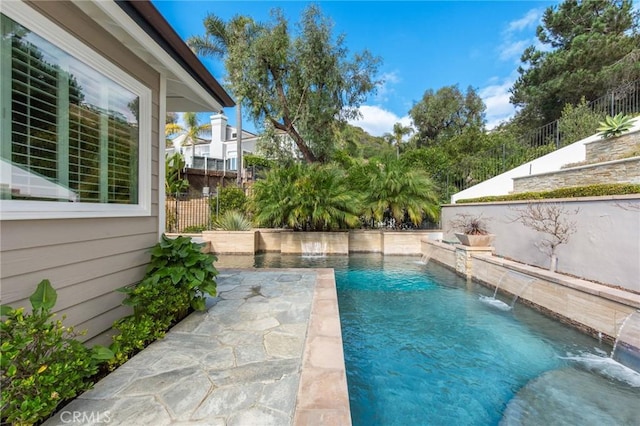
(267, 351)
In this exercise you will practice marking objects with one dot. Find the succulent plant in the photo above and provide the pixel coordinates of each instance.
(615, 126)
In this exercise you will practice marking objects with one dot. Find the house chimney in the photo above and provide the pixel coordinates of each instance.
(218, 134)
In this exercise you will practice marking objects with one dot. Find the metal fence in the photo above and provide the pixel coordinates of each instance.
(624, 99)
(185, 213)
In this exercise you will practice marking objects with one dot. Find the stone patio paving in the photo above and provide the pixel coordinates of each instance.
(238, 363)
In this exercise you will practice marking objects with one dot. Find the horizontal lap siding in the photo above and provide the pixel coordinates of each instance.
(86, 259)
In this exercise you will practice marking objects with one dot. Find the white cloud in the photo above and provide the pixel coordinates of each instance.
(512, 44)
(513, 49)
(496, 98)
(529, 20)
(377, 121)
(385, 89)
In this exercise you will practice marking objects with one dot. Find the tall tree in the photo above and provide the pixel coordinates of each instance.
(446, 113)
(588, 47)
(298, 82)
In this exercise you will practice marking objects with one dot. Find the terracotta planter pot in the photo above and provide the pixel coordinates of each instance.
(475, 240)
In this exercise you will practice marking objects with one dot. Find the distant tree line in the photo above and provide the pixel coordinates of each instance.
(301, 81)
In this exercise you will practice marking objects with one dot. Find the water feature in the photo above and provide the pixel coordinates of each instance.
(626, 349)
(493, 300)
(421, 348)
(528, 281)
(499, 304)
(313, 248)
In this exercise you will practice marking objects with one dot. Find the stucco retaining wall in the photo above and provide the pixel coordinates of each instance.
(605, 247)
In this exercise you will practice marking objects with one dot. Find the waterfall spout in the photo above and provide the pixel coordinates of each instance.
(314, 249)
(626, 349)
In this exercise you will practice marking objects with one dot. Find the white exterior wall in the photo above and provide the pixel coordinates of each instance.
(503, 184)
(218, 135)
(605, 248)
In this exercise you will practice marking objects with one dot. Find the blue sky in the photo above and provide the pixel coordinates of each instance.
(423, 45)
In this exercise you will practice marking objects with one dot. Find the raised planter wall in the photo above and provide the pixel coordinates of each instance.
(269, 240)
(593, 308)
(231, 242)
(612, 148)
(330, 242)
(620, 171)
(290, 242)
(365, 241)
(403, 242)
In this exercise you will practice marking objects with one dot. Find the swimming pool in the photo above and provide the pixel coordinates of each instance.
(421, 347)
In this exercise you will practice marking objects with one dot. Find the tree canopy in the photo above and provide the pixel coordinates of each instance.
(446, 113)
(587, 47)
(300, 82)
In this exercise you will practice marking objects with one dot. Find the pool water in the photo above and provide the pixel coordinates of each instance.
(423, 348)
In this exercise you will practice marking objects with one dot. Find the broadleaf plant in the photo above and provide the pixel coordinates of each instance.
(41, 362)
(178, 277)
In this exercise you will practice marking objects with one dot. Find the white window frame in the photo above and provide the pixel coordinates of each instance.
(25, 209)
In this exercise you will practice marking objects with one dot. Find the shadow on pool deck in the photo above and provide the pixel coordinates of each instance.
(268, 351)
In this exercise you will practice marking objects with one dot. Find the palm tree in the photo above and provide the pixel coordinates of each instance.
(399, 132)
(219, 36)
(193, 130)
(394, 187)
(308, 197)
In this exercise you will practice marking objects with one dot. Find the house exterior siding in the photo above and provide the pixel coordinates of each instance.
(85, 259)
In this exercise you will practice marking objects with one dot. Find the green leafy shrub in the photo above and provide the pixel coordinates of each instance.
(572, 192)
(578, 122)
(233, 221)
(178, 278)
(42, 364)
(306, 197)
(615, 126)
(174, 182)
(194, 229)
(255, 160)
(229, 198)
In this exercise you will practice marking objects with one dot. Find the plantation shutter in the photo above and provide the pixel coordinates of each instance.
(69, 124)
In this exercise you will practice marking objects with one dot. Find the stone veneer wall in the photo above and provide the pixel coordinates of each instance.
(617, 171)
(612, 148)
(595, 309)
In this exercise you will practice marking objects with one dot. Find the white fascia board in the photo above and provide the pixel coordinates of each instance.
(125, 23)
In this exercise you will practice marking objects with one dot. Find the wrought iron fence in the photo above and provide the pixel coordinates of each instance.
(186, 213)
(623, 99)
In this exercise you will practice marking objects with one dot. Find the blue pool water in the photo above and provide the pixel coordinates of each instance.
(421, 348)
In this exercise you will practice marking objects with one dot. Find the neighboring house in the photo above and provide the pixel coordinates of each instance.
(218, 153)
(85, 90)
